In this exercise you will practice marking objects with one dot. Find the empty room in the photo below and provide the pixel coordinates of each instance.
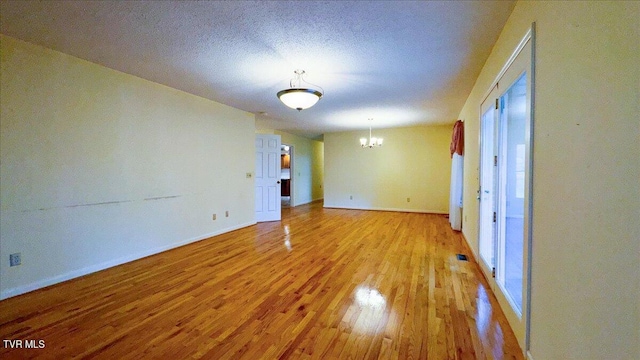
(320, 180)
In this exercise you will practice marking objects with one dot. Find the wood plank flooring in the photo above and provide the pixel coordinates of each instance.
(320, 284)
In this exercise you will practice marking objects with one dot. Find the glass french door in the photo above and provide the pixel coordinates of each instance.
(504, 188)
(487, 191)
(511, 183)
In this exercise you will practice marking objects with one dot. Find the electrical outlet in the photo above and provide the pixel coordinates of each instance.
(249, 175)
(15, 259)
(226, 213)
(351, 197)
(408, 199)
(214, 216)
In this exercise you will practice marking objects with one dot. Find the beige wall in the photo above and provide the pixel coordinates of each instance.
(586, 220)
(308, 159)
(317, 169)
(100, 167)
(414, 163)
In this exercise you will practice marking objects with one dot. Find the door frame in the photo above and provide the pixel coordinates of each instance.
(291, 172)
(524, 340)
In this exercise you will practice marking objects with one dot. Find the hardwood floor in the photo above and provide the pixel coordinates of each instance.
(322, 283)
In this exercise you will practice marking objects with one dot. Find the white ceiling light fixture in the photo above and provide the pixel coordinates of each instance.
(373, 142)
(297, 97)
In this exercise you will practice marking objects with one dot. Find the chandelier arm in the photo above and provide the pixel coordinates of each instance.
(302, 79)
(318, 86)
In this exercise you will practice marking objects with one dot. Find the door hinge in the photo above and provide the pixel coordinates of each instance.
(494, 216)
(493, 272)
(495, 160)
(496, 104)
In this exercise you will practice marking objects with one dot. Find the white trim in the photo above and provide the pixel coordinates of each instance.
(507, 296)
(108, 264)
(529, 356)
(421, 211)
(476, 256)
(527, 331)
(307, 202)
(292, 183)
(510, 61)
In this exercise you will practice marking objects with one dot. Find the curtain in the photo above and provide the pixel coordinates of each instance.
(457, 162)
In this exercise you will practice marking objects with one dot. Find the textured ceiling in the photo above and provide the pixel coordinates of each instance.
(400, 63)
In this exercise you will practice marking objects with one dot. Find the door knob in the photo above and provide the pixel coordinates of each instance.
(278, 181)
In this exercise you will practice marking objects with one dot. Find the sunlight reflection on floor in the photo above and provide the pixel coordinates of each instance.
(287, 238)
(370, 306)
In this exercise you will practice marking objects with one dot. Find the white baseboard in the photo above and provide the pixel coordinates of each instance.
(422, 211)
(306, 202)
(473, 250)
(529, 356)
(107, 264)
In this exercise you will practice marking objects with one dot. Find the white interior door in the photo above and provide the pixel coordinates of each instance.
(267, 179)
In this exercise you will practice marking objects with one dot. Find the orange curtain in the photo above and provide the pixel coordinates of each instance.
(457, 139)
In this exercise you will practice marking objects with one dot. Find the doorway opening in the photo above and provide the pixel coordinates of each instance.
(286, 168)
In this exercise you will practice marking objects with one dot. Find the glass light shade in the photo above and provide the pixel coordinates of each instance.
(298, 98)
(372, 142)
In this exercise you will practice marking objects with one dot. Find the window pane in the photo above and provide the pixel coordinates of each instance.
(513, 119)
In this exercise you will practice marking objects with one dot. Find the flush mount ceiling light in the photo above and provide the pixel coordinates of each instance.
(373, 142)
(298, 97)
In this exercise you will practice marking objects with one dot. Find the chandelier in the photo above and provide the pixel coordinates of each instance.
(373, 142)
(298, 97)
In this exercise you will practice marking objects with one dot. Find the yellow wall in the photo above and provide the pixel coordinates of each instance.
(308, 158)
(317, 170)
(586, 219)
(414, 163)
(100, 167)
